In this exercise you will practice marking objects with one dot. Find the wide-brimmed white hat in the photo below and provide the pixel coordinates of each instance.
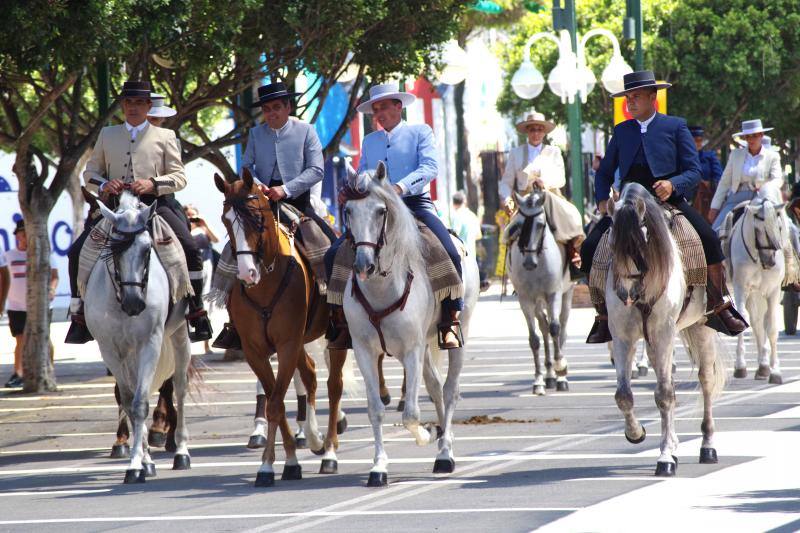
(751, 126)
(158, 109)
(535, 117)
(385, 91)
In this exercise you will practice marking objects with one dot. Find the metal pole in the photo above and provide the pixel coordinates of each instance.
(637, 15)
(574, 120)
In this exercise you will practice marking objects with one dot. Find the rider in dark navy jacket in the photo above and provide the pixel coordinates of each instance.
(658, 152)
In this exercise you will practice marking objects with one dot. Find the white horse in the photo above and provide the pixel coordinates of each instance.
(389, 266)
(142, 342)
(757, 262)
(539, 273)
(647, 297)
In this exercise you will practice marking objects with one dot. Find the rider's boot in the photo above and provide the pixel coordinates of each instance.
(338, 332)
(450, 336)
(722, 316)
(600, 332)
(197, 318)
(78, 333)
(572, 253)
(228, 339)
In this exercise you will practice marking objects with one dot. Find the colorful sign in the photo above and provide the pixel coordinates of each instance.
(621, 106)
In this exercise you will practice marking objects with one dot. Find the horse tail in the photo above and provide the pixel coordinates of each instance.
(350, 385)
(693, 340)
(317, 349)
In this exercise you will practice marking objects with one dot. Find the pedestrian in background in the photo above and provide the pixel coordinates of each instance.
(710, 170)
(14, 299)
(466, 225)
(204, 237)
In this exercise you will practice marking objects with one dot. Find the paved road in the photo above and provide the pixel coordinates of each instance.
(558, 462)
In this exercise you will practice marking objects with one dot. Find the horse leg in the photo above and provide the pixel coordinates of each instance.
(289, 355)
(263, 370)
(368, 366)
(533, 342)
(760, 335)
(445, 462)
(560, 364)
(544, 328)
(163, 419)
(566, 308)
(771, 323)
(121, 449)
(702, 349)
(180, 434)
(305, 367)
(660, 354)
(302, 403)
(433, 383)
(330, 463)
(258, 438)
(622, 353)
(412, 363)
(401, 405)
(386, 397)
(742, 303)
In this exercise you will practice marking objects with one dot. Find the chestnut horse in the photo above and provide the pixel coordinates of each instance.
(276, 307)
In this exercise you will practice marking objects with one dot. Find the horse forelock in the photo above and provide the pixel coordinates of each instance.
(651, 254)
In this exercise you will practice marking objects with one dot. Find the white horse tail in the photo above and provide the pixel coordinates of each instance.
(317, 349)
(351, 386)
(196, 384)
(692, 339)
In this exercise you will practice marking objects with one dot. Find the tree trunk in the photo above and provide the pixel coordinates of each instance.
(37, 367)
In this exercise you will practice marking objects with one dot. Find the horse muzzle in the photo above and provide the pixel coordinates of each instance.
(530, 262)
(364, 264)
(132, 304)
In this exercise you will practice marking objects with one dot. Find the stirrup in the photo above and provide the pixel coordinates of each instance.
(715, 322)
(453, 327)
(228, 338)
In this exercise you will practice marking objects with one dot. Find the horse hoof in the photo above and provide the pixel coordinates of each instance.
(321, 451)
(329, 466)
(444, 466)
(341, 425)
(265, 479)
(181, 462)
(708, 456)
(300, 443)
(157, 439)
(257, 441)
(292, 473)
(538, 390)
(740, 373)
(642, 371)
(639, 440)
(666, 469)
(549, 383)
(377, 479)
(386, 400)
(149, 469)
(134, 476)
(775, 379)
(763, 372)
(120, 451)
(401, 405)
(562, 386)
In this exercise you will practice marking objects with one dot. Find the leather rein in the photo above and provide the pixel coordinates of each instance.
(771, 246)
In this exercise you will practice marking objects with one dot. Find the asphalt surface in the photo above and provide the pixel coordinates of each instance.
(559, 461)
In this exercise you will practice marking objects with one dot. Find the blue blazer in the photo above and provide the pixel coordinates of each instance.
(710, 167)
(410, 156)
(668, 147)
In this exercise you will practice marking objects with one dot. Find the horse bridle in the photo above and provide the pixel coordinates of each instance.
(350, 193)
(117, 247)
(540, 241)
(239, 207)
(771, 246)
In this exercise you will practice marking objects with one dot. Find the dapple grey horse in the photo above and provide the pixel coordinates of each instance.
(756, 259)
(539, 273)
(389, 268)
(647, 297)
(142, 342)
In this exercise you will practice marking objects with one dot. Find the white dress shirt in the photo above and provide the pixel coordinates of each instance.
(750, 166)
(135, 130)
(277, 133)
(534, 151)
(643, 125)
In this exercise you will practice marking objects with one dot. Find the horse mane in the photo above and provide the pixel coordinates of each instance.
(651, 254)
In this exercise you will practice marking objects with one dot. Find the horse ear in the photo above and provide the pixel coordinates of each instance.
(380, 172)
(780, 206)
(247, 178)
(641, 208)
(518, 199)
(539, 198)
(146, 214)
(107, 213)
(352, 175)
(219, 181)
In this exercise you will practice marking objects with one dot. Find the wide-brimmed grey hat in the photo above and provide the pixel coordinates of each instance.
(641, 79)
(751, 126)
(158, 108)
(385, 91)
(535, 117)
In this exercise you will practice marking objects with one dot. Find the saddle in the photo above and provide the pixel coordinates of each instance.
(691, 249)
(442, 274)
(165, 244)
(312, 244)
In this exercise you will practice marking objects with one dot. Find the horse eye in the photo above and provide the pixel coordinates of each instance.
(381, 211)
(347, 211)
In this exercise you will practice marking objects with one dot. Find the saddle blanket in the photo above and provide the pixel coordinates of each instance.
(442, 273)
(165, 243)
(689, 244)
(312, 249)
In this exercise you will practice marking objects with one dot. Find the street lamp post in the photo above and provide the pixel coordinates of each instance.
(572, 81)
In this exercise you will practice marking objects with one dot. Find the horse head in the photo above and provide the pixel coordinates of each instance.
(641, 246)
(129, 246)
(534, 225)
(250, 225)
(374, 211)
(767, 229)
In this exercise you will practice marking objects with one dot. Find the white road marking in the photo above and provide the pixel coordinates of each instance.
(53, 492)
